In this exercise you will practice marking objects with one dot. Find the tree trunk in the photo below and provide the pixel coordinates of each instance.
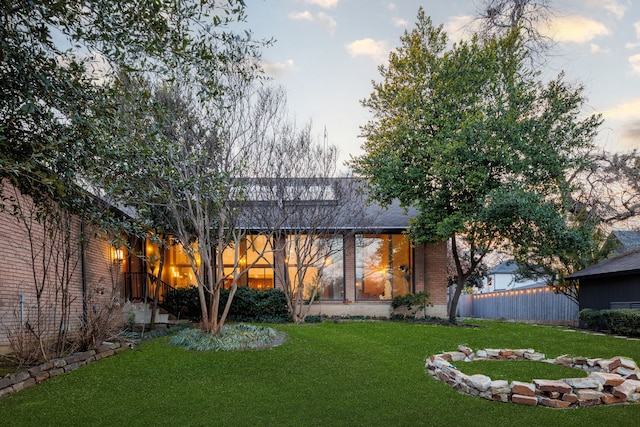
(453, 307)
(156, 279)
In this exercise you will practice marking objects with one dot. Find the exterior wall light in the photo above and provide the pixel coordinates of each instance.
(117, 255)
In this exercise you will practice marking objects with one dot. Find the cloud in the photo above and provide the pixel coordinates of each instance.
(630, 45)
(391, 6)
(457, 27)
(625, 111)
(301, 16)
(325, 4)
(634, 60)
(399, 22)
(597, 49)
(376, 50)
(278, 69)
(613, 6)
(630, 137)
(324, 21)
(574, 29)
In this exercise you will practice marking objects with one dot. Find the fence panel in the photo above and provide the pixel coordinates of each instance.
(540, 305)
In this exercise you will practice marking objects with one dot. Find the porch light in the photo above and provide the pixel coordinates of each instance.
(117, 255)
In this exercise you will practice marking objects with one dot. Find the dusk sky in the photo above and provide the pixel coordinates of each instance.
(327, 52)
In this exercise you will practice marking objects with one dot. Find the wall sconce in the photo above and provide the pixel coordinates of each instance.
(117, 255)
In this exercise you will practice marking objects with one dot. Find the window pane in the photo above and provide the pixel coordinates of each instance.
(316, 262)
(401, 263)
(383, 266)
(257, 251)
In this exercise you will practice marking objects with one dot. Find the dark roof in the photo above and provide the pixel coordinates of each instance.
(333, 204)
(628, 239)
(622, 265)
(505, 267)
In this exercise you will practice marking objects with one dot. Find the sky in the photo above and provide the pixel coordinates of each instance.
(326, 54)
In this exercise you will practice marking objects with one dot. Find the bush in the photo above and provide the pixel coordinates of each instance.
(184, 302)
(251, 305)
(231, 338)
(591, 319)
(411, 303)
(621, 321)
(248, 305)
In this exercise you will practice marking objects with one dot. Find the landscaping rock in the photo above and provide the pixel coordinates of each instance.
(607, 379)
(601, 387)
(524, 400)
(500, 387)
(580, 383)
(525, 389)
(554, 403)
(626, 389)
(553, 385)
(464, 349)
(479, 382)
(610, 399)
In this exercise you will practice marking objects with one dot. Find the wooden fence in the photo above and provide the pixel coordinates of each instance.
(539, 305)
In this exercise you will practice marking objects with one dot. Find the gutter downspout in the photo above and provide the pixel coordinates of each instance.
(83, 274)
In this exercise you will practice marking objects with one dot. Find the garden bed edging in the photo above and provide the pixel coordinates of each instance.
(610, 381)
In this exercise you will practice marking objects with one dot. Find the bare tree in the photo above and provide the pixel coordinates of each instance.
(497, 17)
(43, 327)
(295, 197)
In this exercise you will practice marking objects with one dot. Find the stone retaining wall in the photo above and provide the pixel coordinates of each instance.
(18, 381)
(610, 381)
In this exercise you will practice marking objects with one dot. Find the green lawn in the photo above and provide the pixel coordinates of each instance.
(346, 374)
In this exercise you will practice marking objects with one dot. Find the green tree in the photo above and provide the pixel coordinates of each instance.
(471, 139)
(69, 116)
(59, 59)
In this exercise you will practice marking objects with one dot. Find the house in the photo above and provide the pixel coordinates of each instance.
(612, 283)
(52, 275)
(369, 262)
(621, 241)
(504, 276)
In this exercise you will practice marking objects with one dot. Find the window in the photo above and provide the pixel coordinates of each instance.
(316, 262)
(256, 252)
(383, 266)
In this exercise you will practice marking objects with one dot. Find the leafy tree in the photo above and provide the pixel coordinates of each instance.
(59, 58)
(69, 118)
(607, 193)
(478, 146)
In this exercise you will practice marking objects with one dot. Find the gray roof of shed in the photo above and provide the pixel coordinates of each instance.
(625, 264)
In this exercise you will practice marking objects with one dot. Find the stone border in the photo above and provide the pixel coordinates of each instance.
(611, 381)
(13, 383)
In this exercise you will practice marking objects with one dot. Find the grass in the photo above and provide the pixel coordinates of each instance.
(345, 374)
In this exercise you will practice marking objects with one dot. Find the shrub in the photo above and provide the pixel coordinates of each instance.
(248, 305)
(591, 319)
(410, 303)
(184, 302)
(251, 305)
(620, 321)
(232, 337)
(623, 321)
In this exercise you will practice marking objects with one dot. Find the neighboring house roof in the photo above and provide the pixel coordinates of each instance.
(508, 267)
(625, 264)
(505, 267)
(627, 240)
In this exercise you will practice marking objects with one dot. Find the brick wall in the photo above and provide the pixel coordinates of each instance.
(31, 253)
(436, 272)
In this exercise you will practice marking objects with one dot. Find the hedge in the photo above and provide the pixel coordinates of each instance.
(622, 321)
